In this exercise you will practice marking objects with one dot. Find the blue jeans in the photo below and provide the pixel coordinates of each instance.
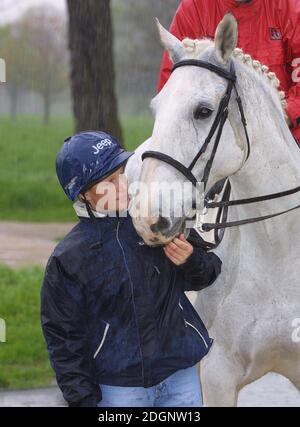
(183, 388)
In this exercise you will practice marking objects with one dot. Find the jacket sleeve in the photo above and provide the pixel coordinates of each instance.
(292, 38)
(65, 330)
(200, 270)
(186, 23)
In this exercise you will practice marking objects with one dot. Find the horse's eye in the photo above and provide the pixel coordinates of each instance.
(202, 113)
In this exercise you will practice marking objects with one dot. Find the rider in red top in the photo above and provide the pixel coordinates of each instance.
(268, 30)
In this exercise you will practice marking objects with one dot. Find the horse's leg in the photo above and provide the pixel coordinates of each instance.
(220, 378)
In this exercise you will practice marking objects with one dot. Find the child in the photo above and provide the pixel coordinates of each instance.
(119, 328)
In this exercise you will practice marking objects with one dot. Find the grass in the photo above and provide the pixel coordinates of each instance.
(29, 188)
(23, 357)
(30, 192)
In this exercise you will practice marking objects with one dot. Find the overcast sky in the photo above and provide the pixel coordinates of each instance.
(12, 9)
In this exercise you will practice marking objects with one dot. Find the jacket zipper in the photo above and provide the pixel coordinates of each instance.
(102, 341)
(131, 284)
(194, 327)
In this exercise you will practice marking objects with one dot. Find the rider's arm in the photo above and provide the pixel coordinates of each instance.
(65, 329)
(292, 38)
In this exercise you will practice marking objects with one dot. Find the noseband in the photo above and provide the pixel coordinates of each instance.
(217, 127)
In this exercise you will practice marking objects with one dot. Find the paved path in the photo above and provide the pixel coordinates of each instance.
(272, 390)
(24, 244)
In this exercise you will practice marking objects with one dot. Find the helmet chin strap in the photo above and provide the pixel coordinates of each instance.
(94, 219)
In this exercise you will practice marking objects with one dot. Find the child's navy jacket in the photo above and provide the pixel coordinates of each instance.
(114, 311)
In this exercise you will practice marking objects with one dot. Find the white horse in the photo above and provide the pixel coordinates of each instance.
(252, 309)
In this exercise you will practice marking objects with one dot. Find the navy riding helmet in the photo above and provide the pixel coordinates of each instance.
(86, 158)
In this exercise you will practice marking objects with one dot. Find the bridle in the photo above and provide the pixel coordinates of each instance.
(217, 127)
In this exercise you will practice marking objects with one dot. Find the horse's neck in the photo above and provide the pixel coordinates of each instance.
(259, 254)
(274, 160)
(273, 166)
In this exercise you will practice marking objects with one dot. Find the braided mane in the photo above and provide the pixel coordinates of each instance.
(193, 47)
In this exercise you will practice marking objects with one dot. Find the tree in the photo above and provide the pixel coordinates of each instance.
(92, 66)
(12, 49)
(36, 55)
(138, 50)
(41, 31)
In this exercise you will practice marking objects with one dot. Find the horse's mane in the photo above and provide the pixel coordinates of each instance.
(194, 47)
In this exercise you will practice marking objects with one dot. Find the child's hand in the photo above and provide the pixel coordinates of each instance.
(179, 250)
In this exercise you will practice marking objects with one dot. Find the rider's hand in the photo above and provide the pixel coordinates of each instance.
(179, 250)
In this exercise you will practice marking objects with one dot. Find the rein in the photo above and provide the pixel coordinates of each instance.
(217, 127)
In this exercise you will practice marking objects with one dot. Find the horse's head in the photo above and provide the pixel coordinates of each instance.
(185, 111)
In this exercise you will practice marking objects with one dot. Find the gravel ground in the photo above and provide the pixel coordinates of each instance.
(271, 390)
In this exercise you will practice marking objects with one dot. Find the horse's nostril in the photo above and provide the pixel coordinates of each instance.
(161, 225)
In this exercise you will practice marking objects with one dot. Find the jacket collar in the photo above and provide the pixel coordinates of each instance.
(82, 213)
(243, 11)
(238, 5)
(242, 8)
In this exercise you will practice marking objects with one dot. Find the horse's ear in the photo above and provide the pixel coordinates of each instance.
(170, 42)
(226, 38)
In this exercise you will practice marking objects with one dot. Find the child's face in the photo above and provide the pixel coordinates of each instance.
(110, 194)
